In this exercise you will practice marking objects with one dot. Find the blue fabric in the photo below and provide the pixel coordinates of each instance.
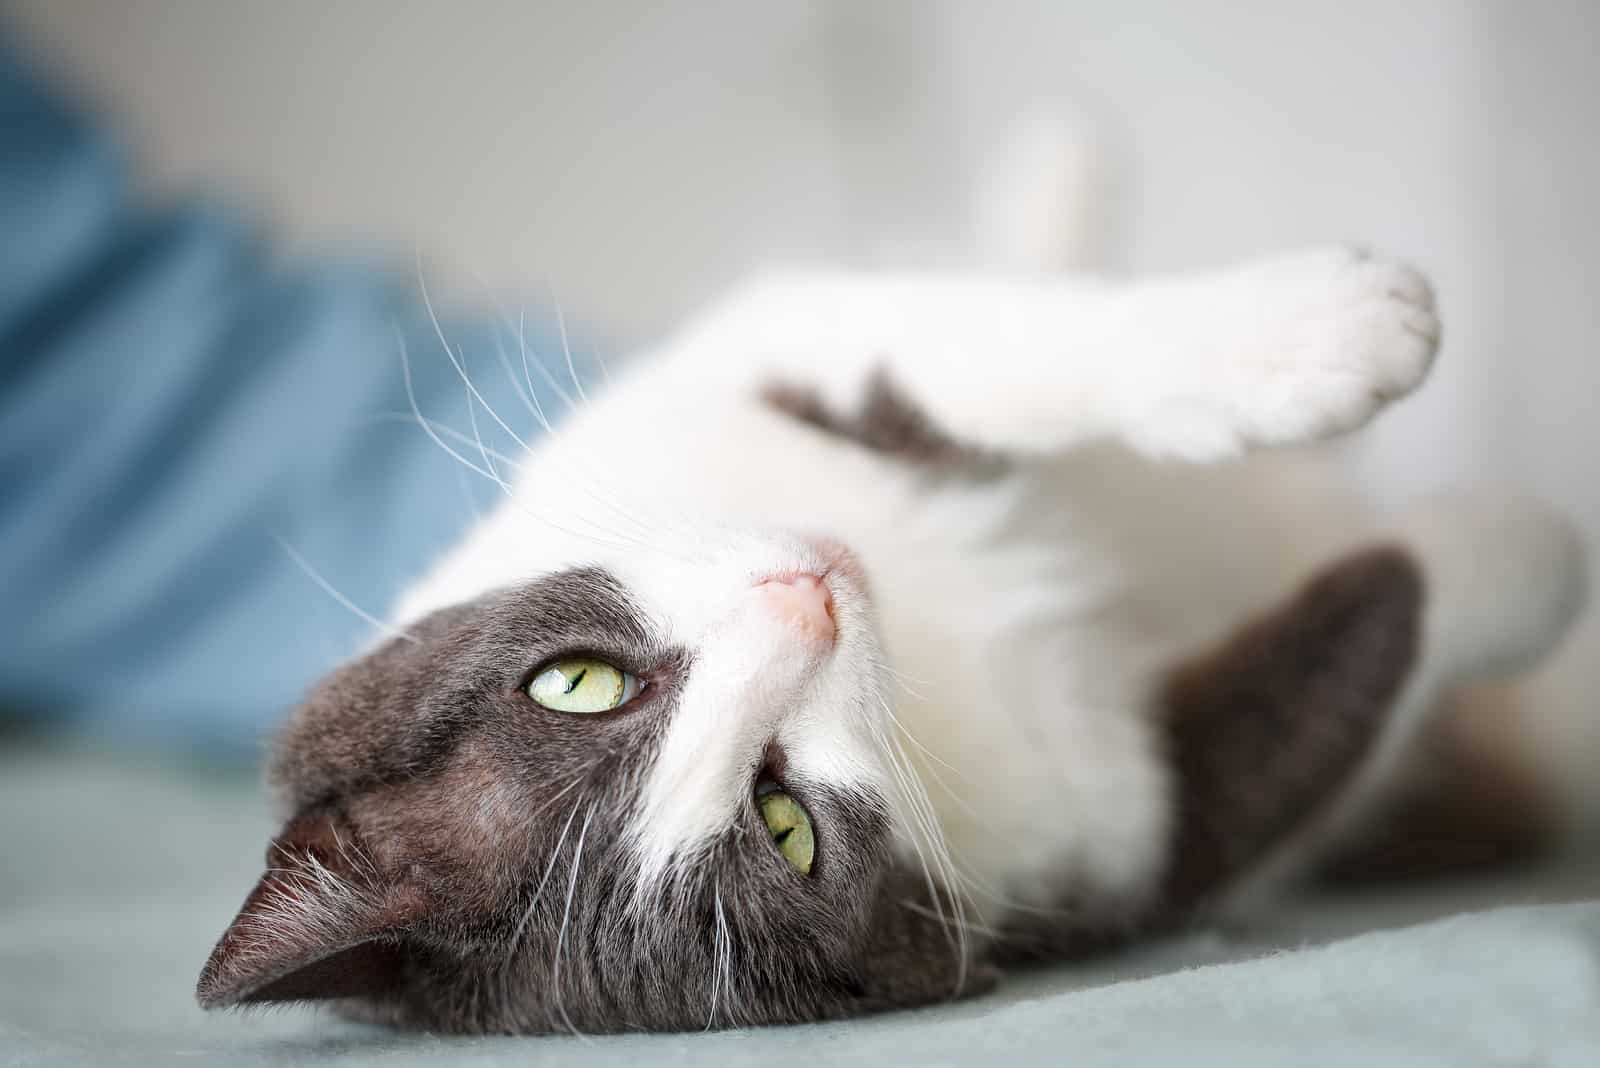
(179, 415)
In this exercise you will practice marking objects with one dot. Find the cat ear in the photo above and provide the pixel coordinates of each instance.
(321, 923)
(1266, 730)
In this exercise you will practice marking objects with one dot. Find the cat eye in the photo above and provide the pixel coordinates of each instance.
(583, 685)
(790, 828)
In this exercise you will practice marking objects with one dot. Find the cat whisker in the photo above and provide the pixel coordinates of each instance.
(977, 928)
(576, 781)
(566, 347)
(901, 679)
(474, 394)
(448, 431)
(939, 845)
(537, 410)
(925, 828)
(505, 320)
(530, 397)
(722, 971)
(477, 436)
(538, 894)
(912, 738)
(566, 916)
(544, 372)
(467, 494)
(959, 871)
(327, 587)
(455, 361)
(427, 427)
(531, 400)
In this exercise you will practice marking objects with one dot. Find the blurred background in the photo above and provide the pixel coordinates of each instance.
(637, 157)
(630, 160)
(633, 158)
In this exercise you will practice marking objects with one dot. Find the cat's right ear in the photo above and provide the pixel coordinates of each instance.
(323, 922)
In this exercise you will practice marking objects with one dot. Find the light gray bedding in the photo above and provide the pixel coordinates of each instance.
(116, 874)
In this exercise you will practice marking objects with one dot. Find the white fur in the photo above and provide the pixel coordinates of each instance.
(1026, 617)
(1197, 367)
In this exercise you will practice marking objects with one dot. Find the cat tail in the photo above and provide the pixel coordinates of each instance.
(1041, 203)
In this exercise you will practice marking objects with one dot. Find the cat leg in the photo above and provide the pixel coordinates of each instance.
(1291, 737)
(1265, 731)
(1197, 367)
(1503, 579)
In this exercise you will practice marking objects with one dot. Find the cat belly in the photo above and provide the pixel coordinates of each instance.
(1026, 713)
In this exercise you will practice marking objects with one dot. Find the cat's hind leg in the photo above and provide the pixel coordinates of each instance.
(1502, 581)
(1505, 579)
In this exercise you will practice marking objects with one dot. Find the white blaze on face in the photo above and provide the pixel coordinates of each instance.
(782, 651)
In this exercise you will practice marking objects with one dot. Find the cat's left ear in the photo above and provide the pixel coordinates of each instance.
(323, 922)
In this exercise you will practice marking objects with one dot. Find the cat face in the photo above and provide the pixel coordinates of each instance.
(602, 799)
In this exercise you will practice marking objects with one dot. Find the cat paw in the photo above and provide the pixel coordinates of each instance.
(1329, 339)
(1294, 349)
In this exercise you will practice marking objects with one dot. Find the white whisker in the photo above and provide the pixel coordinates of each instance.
(449, 432)
(538, 893)
(316, 576)
(461, 372)
(566, 916)
(566, 347)
(427, 426)
(926, 828)
(722, 968)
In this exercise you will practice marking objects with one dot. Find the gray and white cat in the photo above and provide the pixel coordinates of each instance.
(879, 632)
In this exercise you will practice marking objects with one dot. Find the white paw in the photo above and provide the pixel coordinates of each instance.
(1332, 337)
(1298, 348)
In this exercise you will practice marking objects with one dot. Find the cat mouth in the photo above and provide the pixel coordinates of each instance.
(784, 817)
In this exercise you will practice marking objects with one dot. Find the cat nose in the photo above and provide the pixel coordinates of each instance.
(802, 601)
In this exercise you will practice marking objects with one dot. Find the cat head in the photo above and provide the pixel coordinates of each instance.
(599, 800)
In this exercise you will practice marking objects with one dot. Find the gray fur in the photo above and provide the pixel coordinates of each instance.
(441, 785)
(455, 855)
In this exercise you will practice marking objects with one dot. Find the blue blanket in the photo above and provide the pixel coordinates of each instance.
(194, 435)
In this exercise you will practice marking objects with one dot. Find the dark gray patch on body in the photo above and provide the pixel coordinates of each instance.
(1262, 734)
(1265, 731)
(886, 421)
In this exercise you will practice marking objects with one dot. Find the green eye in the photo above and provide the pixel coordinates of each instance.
(583, 685)
(790, 828)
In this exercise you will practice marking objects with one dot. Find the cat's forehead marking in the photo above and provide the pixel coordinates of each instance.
(398, 709)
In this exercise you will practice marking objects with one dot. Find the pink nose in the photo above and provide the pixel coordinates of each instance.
(803, 601)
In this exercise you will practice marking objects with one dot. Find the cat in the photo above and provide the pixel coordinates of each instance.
(880, 632)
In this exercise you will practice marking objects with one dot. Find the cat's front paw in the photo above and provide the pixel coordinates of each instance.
(1327, 339)
(1282, 351)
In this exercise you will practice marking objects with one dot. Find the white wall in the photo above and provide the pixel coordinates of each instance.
(637, 155)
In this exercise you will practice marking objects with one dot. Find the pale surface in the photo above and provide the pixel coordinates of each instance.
(117, 877)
